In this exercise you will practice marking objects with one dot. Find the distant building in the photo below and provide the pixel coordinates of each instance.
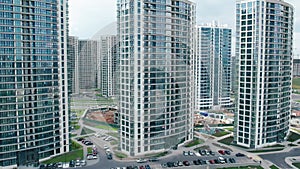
(88, 63)
(264, 51)
(296, 67)
(212, 66)
(156, 76)
(108, 63)
(73, 64)
(34, 111)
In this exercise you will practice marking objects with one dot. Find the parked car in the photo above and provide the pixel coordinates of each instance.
(221, 160)
(88, 143)
(95, 157)
(232, 160)
(212, 161)
(211, 153)
(179, 163)
(77, 163)
(89, 156)
(83, 163)
(42, 166)
(59, 165)
(147, 167)
(185, 153)
(186, 163)
(240, 155)
(109, 156)
(196, 162)
(227, 152)
(222, 152)
(80, 139)
(153, 159)
(141, 160)
(191, 153)
(72, 163)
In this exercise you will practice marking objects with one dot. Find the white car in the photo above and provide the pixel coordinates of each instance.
(105, 147)
(95, 157)
(89, 157)
(141, 160)
(59, 165)
(78, 163)
(222, 160)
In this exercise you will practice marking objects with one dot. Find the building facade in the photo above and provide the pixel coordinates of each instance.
(156, 74)
(33, 81)
(88, 63)
(212, 66)
(108, 62)
(73, 44)
(264, 52)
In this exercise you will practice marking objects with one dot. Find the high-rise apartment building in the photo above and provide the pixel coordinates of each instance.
(73, 44)
(33, 81)
(212, 66)
(264, 53)
(156, 75)
(108, 62)
(88, 62)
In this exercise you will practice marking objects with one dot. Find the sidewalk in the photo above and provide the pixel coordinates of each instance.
(290, 160)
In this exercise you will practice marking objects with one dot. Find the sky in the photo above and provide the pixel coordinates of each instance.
(87, 17)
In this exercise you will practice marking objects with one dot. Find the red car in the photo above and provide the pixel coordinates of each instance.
(222, 152)
(212, 161)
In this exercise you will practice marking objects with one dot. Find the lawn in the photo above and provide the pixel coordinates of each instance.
(293, 137)
(296, 165)
(157, 154)
(89, 150)
(202, 148)
(73, 155)
(296, 83)
(107, 127)
(120, 155)
(276, 145)
(221, 133)
(116, 135)
(194, 142)
(86, 131)
(268, 150)
(273, 167)
(230, 129)
(227, 140)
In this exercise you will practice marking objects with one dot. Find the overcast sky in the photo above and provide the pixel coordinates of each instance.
(89, 16)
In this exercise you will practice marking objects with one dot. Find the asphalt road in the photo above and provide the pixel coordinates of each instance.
(104, 163)
(278, 158)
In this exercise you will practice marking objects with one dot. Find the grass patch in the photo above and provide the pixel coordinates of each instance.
(120, 155)
(77, 127)
(86, 131)
(243, 167)
(89, 150)
(296, 165)
(230, 129)
(75, 146)
(276, 145)
(73, 155)
(157, 154)
(227, 140)
(114, 142)
(194, 143)
(202, 148)
(116, 135)
(221, 133)
(106, 127)
(293, 137)
(273, 167)
(296, 83)
(292, 145)
(263, 151)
